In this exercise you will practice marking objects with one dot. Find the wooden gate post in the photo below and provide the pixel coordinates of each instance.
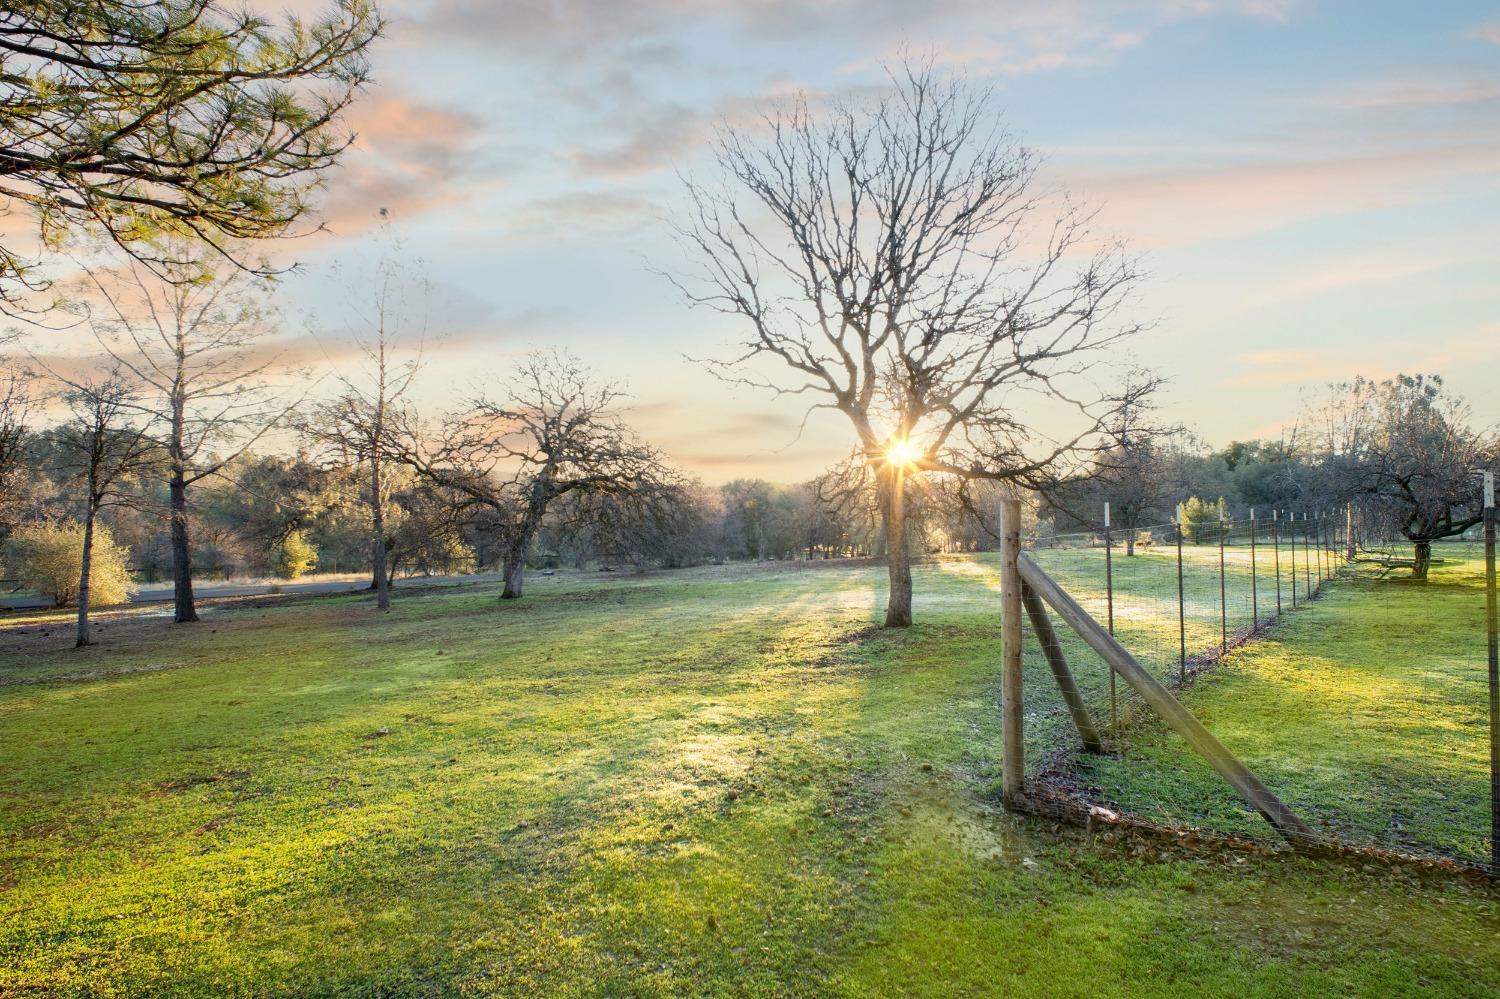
(1013, 762)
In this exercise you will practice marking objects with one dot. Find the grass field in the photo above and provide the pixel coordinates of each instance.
(1368, 712)
(714, 782)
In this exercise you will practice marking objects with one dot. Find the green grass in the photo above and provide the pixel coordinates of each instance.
(707, 783)
(1366, 711)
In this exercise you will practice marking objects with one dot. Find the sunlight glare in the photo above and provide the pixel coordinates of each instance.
(902, 452)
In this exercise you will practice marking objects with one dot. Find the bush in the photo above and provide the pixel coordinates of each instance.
(293, 556)
(1200, 520)
(49, 559)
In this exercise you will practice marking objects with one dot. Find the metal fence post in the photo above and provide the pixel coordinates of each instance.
(1223, 593)
(1306, 560)
(1254, 580)
(1109, 575)
(1109, 598)
(1324, 562)
(1349, 533)
(1318, 537)
(1276, 550)
(1013, 741)
(1292, 537)
(1493, 628)
(1181, 609)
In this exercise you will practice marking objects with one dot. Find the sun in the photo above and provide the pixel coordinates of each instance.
(902, 453)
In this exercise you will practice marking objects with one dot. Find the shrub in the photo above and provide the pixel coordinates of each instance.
(293, 556)
(1200, 520)
(49, 559)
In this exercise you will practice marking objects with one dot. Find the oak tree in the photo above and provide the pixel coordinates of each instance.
(895, 260)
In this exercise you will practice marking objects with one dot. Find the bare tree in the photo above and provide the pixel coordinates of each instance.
(894, 260)
(138, 118)
(554, 435)
(1140, 475)
(105, 445)
(1408, 454)
(356, 424)
(194, 340)
(660, 522)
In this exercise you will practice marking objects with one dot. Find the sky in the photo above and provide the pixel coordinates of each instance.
(1313, 188)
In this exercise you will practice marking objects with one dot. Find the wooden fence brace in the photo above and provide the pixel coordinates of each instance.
(1013, 739)
(1182, 721)
(1052, 649)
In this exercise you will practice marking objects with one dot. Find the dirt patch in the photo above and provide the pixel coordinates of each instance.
(86, 675)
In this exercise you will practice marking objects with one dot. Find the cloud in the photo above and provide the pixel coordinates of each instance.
(658, 135)
(718, 439)
(1377, 267)
(415, 136)
(580, 32)
(1419, 94)
(408, 157)
(1373, 359)
(1180, 205)
(1487, 32)
(581, 214)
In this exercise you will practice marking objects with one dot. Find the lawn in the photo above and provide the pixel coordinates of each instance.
(712, 782)
(1367, 711)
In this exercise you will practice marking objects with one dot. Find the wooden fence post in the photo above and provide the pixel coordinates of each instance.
(1013, 744)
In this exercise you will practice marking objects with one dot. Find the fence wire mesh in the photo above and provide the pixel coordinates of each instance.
(1357, 694)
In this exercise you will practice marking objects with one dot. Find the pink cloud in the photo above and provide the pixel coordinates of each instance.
(1420, 94)
(1488, 32)
(1176, 206)
(1382, 359)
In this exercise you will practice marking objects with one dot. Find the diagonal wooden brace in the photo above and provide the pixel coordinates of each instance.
(1171, 710)
(1047, 638)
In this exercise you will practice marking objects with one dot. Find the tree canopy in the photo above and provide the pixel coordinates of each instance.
(144, 118)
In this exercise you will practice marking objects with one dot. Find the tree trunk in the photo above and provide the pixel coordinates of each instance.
(1422, 561)
(514, 566)
(898, 556)
(84, 638)
(182, 553)
(1129, 543)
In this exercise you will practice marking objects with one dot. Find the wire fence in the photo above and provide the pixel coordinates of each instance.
(1358, 695)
